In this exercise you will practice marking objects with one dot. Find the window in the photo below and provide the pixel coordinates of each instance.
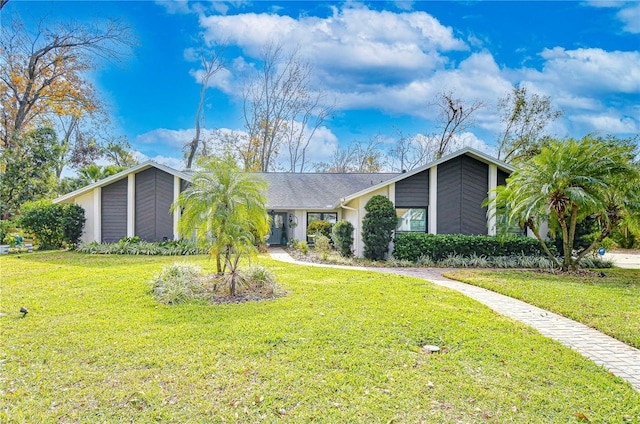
(412, 220)
(331, 217)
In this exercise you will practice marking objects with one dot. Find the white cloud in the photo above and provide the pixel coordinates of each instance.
(173, 162)
(404, 4)
(359, 44)
(590, 70)
(223, 80)
(630, 17)
(322, 145)
(166, 137)
(629, 13)
(608, 122)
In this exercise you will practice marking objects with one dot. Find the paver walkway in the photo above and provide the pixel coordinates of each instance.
(620, 359)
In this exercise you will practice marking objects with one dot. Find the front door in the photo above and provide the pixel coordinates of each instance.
(278, 230)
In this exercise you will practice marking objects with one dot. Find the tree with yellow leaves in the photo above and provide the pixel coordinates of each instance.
(43, 73)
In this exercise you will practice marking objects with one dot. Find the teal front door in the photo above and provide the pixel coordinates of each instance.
(278, 230)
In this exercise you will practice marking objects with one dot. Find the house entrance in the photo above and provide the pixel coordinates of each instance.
(278, 235)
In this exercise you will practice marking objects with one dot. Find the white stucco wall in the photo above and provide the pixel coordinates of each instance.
(358, 215)
(352, 215)
(87, 203)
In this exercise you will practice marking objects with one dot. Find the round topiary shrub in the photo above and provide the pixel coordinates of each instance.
(342, 235)
(378, 226)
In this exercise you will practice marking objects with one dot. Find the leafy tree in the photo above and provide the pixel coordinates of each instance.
(117, 151)
(226, 209)
(43, 73)
(571, 181)
(27, 170)
(73, 220)
(377, 227)
(525, 117)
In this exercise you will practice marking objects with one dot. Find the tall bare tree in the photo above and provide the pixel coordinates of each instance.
(454, 117)
(359, 157)
(212, 63)
(341, 162)
(368, 157)
(409, 152)
(300, 130)
(280, 108)
(43, 73)
(525, 117)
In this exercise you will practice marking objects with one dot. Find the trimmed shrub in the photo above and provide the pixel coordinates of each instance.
(319, 227)
(342, 236)
(411, 246)
(73, 220)
(322, 246)
(378, 226)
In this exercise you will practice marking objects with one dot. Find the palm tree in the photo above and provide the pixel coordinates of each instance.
(226, 209)
(570, 181)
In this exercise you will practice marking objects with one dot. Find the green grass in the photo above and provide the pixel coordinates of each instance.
(342, 346)
(610, 304)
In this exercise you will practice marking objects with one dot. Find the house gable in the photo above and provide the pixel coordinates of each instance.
(113, 211)
(153, 199)
(463, 184)
(413, 192)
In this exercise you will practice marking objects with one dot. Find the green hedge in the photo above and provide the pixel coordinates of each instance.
(411, 246)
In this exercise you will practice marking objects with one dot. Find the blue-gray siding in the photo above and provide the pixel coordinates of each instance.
(413, 192)
(463, 183)
(113, 211)
(475, 188)
(154, 196)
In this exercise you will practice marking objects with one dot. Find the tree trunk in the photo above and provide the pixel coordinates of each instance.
(566, 261)
(544, 245)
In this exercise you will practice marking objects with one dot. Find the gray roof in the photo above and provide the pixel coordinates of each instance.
(315, 191)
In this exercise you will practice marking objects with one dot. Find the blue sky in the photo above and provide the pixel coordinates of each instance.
(383, 63)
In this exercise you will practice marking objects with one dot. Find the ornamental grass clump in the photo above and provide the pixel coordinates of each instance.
(259, 279)
(178, 283)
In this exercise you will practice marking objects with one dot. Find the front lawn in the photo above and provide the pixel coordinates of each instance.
(610, 304)
(342, 346)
